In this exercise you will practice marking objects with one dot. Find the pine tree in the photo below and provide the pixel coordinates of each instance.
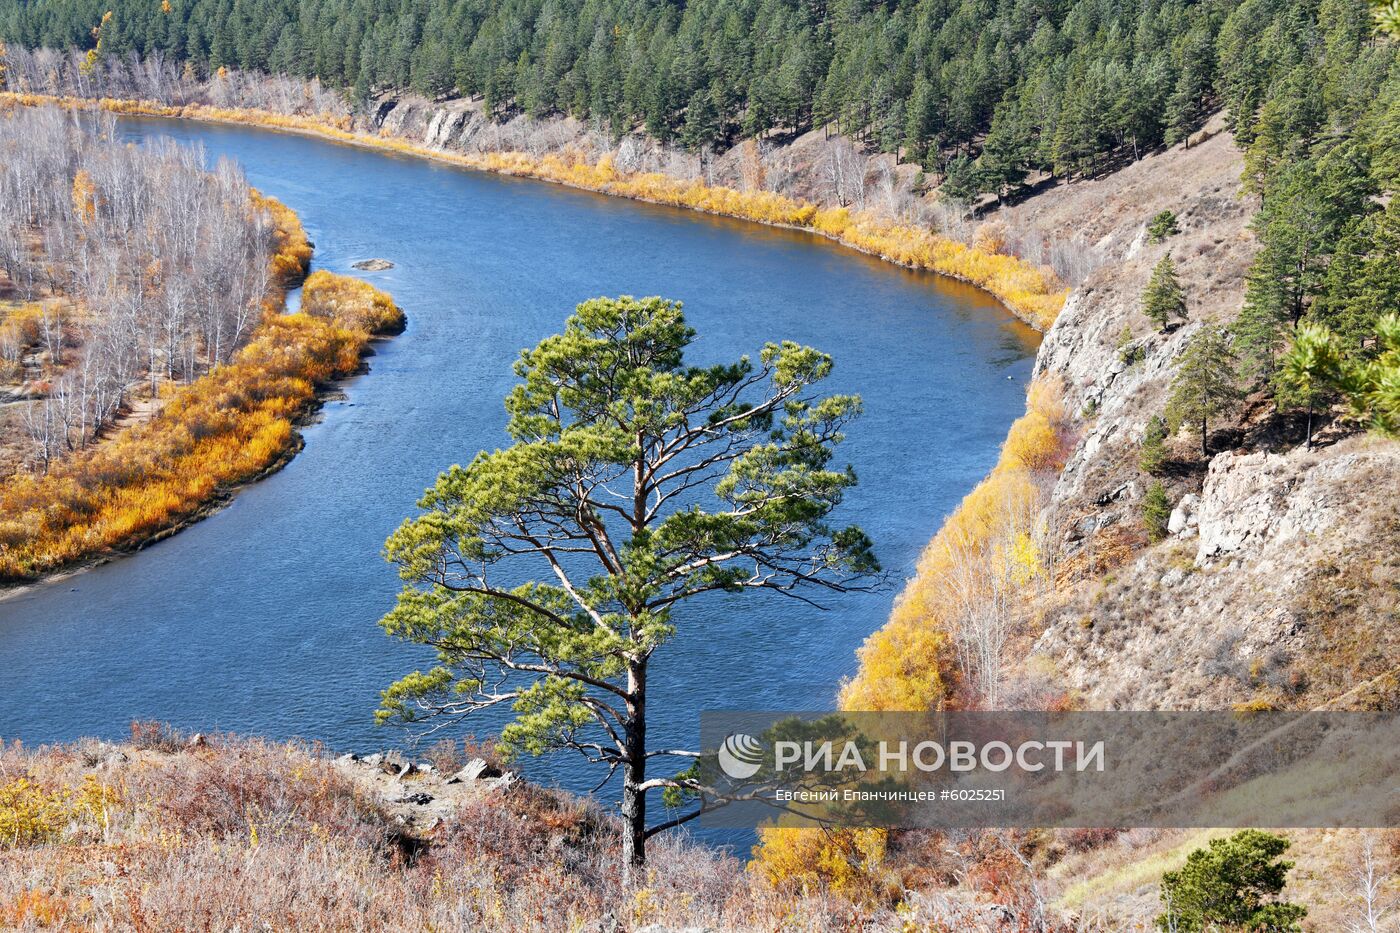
(1232, 884)
(1156, 511)
(1363, 280)
(1268, 301)
(1205, 384)
(1164, 298)
(611, 400)
(1153, 453)
(1312, 369)
(1162, 226)
(701, 121)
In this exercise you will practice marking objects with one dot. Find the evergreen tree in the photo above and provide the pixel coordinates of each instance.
(1312, 369)
(1363, 280)
(596, 580)
(1232, 884)
(1164, 300)
(1152, 455)
(1156, 511)
(1268, 304)
(701, 121)
(1162, 226)
(1204, 387)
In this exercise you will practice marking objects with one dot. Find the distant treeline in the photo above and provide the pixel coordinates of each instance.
(983, 90)
(982, 93)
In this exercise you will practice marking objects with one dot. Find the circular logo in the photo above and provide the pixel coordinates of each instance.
(740, 756)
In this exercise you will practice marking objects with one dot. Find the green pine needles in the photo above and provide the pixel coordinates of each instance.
(1164, 300)
(547, 574)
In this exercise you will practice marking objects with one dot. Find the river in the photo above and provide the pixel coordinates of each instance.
(262, 618)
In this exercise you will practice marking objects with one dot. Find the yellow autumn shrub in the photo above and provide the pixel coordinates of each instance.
(291, 248)
(350, 302)
(909, 664)
(30, 814)
(224, 428)
(844, 861)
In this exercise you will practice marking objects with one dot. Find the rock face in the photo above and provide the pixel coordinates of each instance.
(419, 798)
(1241, 613)
(1233, 606)
(373, 265)
(791, 169)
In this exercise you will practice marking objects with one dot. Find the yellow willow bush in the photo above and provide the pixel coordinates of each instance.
(32, 814)
(224, 428)
(846, 862)
(291, 249)
(350, 302)
(1033, 293)
(909, 664)
(21, 327)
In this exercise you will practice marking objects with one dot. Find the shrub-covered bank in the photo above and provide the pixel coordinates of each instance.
(225, 428)
(165, 833)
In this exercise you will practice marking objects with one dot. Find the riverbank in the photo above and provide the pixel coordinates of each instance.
(230, 427)
(1032, 294)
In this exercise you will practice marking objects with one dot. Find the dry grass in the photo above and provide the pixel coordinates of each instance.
(242, 834)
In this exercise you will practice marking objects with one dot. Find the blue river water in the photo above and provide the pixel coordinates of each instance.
(262, 618)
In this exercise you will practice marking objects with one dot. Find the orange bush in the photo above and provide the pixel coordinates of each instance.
(909, 664)
(21, 328)
(223, 429)
(846, 862)
(350, 302)
(291, 254)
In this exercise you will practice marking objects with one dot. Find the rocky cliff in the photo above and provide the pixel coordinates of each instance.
(1277, 583)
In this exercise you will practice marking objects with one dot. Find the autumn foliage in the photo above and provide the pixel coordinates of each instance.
(351, 303)
(911, 663)
(847, 862)
(231, 834)
(291, 249)
(1032, 293)
(225, 428)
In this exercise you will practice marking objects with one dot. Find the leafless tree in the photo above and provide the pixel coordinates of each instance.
(842, 169)
(1374, 889)
(142, 263)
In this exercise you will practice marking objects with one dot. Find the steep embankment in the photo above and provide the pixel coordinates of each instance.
(1270, 543)
(1275, 584)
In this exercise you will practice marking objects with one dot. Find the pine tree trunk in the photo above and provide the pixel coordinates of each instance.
(634, 801)
(1205, 450)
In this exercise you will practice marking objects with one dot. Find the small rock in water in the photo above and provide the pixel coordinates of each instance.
(373, 265)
